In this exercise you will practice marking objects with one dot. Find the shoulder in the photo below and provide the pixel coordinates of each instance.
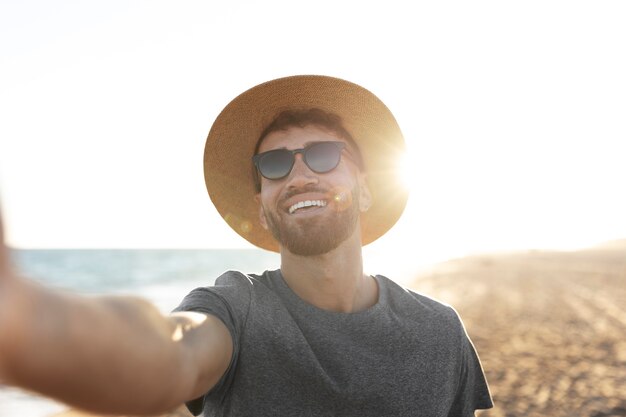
(233, 278)
(411, 302)
(236, 282)
(232, 289)
(237, 285)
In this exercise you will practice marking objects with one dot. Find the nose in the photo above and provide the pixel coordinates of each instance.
(300, 174)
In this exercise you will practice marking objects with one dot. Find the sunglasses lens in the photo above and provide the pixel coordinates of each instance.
(320, 157)
(276, 164)
(323, 157)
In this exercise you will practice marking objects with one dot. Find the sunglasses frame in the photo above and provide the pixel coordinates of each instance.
(339, 146)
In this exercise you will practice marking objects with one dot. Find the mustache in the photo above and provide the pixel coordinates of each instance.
(312, 188)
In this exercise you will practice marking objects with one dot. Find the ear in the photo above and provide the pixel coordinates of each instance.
(365, 197)
(262, 219)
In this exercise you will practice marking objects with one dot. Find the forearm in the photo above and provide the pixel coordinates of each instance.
(104, 354)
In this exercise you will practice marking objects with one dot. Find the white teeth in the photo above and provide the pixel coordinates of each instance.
(307, 203)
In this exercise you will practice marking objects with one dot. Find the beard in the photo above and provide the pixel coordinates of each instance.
(317, 235)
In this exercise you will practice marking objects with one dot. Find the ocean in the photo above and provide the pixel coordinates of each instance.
(161, 276)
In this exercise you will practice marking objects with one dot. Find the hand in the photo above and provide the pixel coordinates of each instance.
(6, 271)
(6, 277)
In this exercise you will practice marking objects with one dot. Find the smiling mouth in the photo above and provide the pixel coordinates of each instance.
(306, 204)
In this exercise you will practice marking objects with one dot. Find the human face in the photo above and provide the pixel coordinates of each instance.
(307, 212)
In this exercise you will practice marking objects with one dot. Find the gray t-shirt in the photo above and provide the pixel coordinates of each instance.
(407, 355)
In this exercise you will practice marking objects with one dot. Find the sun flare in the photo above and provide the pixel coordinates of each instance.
(407, 171)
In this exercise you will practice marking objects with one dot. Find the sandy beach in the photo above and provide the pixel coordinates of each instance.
(550, 328)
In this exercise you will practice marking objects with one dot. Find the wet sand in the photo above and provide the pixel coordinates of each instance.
(549, 327)
(179, 412)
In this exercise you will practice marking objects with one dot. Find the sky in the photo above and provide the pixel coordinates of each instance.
(514, 114)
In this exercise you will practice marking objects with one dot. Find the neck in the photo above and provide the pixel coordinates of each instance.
(332, 281)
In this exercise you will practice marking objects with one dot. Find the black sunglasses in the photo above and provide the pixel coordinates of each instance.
(320, 157)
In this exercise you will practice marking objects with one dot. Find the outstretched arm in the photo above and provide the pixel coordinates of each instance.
(105, 354)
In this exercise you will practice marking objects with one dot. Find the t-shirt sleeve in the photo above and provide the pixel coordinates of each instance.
(228, 300)
(472, 391)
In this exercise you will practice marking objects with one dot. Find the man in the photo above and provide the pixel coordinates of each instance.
(305, 166)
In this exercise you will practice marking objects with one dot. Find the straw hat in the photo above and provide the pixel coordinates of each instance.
(228, 169)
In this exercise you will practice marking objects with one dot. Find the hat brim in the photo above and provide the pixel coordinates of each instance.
(232, 139)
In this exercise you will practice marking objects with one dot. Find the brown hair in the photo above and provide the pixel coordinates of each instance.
(304, 118)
